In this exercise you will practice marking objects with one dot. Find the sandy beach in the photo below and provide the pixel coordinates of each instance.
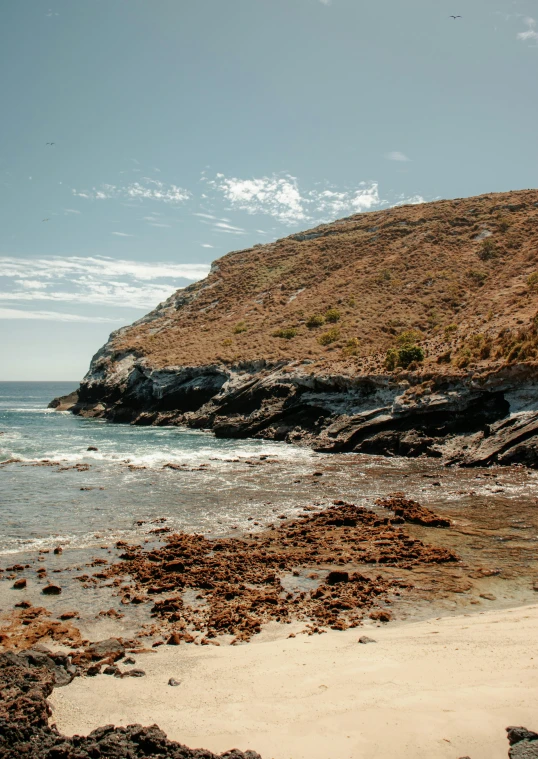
(445, 688)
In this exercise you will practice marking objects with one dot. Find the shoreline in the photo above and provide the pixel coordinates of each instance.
(423, 689)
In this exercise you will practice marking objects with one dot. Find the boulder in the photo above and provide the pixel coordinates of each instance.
(111, 649)
(51, 590)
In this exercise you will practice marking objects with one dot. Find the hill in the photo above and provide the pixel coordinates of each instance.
(375, 311)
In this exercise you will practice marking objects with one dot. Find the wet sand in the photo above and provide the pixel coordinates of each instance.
(437, 688)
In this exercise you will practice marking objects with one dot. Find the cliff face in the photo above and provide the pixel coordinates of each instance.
(410, 331)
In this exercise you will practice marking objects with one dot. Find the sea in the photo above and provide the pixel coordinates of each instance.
(84, 484)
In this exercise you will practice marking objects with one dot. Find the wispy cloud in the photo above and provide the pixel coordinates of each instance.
(395, 155)
(157, 224)
(413, 200)
(531, 33)
(93, 281)
(71, 210)
(281, 198)
(122, 234)
(206, 245)
(53, 316)
(224, 227)
(146, 189)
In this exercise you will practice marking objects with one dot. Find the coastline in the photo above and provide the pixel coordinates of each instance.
(465, 418)
(423, 689)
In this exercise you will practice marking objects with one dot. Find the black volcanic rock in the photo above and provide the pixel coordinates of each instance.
(25, 684)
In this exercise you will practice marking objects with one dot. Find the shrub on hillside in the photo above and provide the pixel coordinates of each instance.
(477, 277)
(532, 281)
(286, 333)
(487, 250)
(240, 327)
(407, 352)
(477, 348)
(351, 348)
(332, 315)
(331, 336)
(408, 337)
(317, 320)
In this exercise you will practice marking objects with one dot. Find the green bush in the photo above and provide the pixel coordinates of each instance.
(408, 337)
(351, 348)
(408, 354)
(240, 327)
(317, 320)
(532, 280)
(391, 359)
(286, 333)
(487, 250)
(332, 315)
(331, 336)
(478, 277)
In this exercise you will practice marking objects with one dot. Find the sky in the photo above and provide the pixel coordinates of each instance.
(184, 129)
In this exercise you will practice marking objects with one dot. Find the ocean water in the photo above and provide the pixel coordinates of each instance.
(46, 499)
(54, 491)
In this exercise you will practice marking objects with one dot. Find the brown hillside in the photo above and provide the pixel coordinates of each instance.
(458, 272)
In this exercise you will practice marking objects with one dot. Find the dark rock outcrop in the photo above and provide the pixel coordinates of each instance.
(466, 420)
(26, 680)
(523, 743)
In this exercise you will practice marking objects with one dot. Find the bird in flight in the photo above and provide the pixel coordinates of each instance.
(455, 17)
(45, 219)
(50, 143)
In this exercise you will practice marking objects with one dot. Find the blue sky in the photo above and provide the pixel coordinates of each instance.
(184, 130)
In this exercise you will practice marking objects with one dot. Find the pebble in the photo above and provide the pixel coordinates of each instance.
(173, 682)
(365, 639)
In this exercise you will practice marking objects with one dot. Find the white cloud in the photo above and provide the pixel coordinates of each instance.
(207, 216)
(336, 203)
(206, 245)
(93, 281)
(395, 155)
(53, 316)
(31, 284)
(155, 224)
(276, 196)
(531, 33)
(281, 198)
(122, 234)
(57, 267)
(325, 2)
(413, 200)
(147, 189)
(71, 210)
(228, 227)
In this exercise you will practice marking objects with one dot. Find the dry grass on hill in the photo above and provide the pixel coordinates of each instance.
(461, 274)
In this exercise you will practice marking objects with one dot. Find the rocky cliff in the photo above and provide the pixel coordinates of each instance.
(410, 331)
